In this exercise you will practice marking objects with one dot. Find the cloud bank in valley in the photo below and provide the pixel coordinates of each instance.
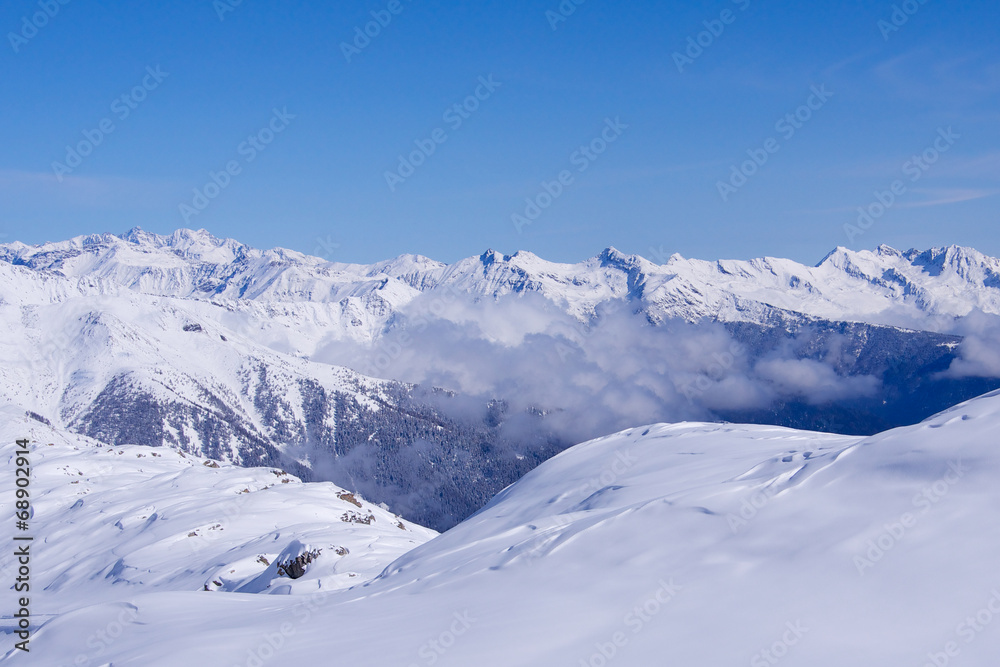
(615, 372)
(979, 352)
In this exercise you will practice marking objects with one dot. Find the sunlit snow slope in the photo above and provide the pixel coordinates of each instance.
(687, 544)
(110, 522)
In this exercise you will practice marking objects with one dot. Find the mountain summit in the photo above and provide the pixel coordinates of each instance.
(884, 286)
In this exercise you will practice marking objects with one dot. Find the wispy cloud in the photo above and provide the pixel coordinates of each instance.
(945, 196)
(846, 64)
(922, 74)
(986, 167)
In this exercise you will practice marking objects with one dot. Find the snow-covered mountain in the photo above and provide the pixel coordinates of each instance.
(923, 290)
(132, 368)
(274, 358)
(693, 543)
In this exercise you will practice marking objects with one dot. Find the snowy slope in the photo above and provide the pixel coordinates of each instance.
(136, 369)
(116, 521)
(692, 544)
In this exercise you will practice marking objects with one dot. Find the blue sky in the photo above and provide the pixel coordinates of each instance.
(555, 85)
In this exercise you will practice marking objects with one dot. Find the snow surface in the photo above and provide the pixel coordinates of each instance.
(688, 544)
(111, 522)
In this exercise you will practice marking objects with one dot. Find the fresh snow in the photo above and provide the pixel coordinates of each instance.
(688, 544)
(117, 521)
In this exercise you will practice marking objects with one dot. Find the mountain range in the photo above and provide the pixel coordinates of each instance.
(885, 286)
(432, 386)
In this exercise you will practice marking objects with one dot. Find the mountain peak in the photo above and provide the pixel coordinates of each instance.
(884, 250)
(491, 257)
(178, 239)
(835, 257)
(614, 257)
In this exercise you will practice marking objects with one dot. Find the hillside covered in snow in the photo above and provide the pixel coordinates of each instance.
(117, 521)
(694, 543)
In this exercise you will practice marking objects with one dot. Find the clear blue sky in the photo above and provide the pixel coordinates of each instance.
(322, 180)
